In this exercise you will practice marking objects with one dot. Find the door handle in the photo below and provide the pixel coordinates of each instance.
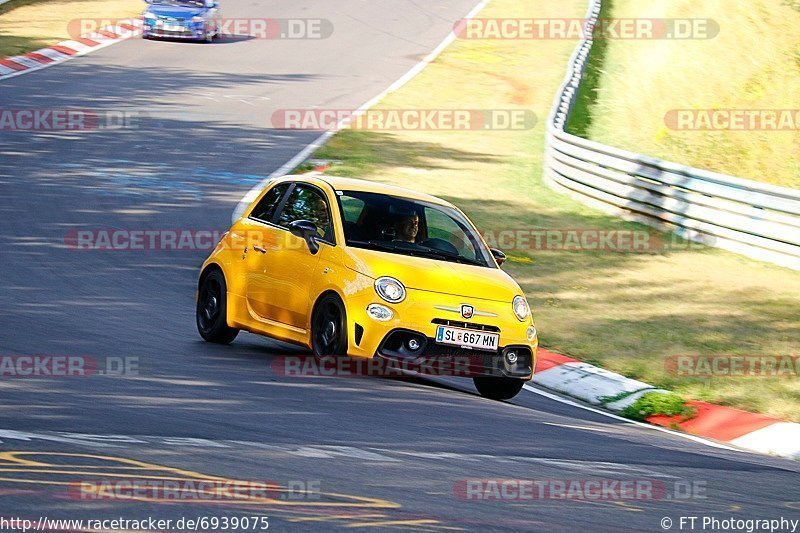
(260, 249)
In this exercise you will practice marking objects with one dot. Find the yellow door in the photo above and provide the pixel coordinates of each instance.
(282, 276)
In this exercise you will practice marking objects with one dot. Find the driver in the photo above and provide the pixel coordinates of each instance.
(406, 228)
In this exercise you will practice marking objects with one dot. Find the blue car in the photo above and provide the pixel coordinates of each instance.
(199, 20)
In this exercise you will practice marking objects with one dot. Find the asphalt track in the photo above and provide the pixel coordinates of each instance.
(384, 453)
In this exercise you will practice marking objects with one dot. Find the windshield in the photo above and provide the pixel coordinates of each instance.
(410, 227)
(180, 3)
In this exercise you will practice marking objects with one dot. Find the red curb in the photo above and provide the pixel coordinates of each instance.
(90, 40)
(39, 57)
(12, 65)
(546, 360)
(717, 421)
(63, 50)
(86, 41)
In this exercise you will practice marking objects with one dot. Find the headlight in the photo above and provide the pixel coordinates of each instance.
(521, 308)
(390, 289)
(150, 16)
(197, 20)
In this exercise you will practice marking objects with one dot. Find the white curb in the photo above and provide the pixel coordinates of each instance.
(782, 439)
(589, 383)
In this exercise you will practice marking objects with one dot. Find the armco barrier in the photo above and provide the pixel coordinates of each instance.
(755, 219)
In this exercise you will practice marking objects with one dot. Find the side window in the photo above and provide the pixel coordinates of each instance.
(443, 228)
(351, 208)
(266, 207)
(307, 203)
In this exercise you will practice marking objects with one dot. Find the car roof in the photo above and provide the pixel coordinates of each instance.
(354, 184)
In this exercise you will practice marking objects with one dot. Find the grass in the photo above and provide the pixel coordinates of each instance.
(754, 63)
(658, 403)
(27, 25)
(628, 312)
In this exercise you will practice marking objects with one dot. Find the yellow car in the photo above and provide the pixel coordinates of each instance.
(348, 267)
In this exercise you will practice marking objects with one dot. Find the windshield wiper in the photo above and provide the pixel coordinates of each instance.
(374, 244)
(416, 250)
(400, 247)
(455, 257)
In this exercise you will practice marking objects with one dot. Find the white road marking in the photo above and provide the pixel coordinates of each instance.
(587, 428)
(693, 438)
(301, 156)
(115, 441)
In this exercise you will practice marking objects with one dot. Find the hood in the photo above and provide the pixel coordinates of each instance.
(175, 11)
(431, 275)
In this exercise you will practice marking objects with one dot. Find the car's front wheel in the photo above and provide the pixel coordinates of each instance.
(212, 309)
(498, 388)
(329, 327)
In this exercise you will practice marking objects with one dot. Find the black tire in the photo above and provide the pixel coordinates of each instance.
(498, 388)
(329, 327)
(212, 310)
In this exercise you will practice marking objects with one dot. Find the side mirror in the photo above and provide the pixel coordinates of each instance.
(499, 256)
(306, 230)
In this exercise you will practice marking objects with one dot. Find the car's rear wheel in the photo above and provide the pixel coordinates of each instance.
(212, 309)
(498, 388)
(329, 327)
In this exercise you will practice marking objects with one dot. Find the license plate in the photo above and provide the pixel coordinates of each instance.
(469, 338)
(173, 27)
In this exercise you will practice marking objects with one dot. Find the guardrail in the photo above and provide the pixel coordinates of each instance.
(755, 219)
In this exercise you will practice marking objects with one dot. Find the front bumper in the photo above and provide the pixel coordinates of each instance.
(189, 31)
(515, 361)
(421, 314)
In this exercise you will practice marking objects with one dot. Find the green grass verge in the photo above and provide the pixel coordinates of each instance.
(658, 403)
(27, 25)
(628, 312)
(632, 84)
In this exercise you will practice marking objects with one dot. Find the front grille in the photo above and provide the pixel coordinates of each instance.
(465, 325)
(461, 361)
(432, 349)
(359, 333)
